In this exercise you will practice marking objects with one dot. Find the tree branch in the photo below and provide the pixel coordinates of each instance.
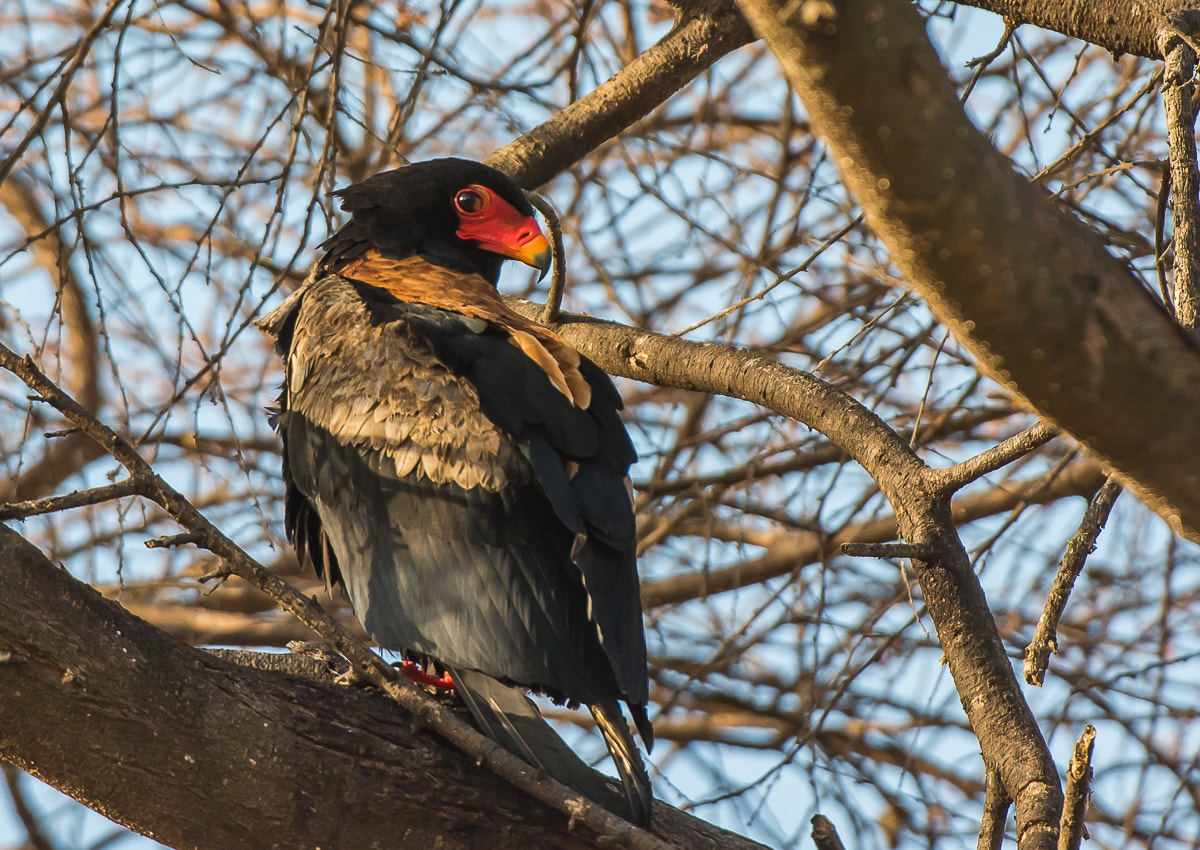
(1030, 290)
(1116, 25)
(704, 33)
(1009, 737)
(1178, 91)
(129, 721)
(956, 477)
(1045, 641)
(1079, 784)
(995, 814)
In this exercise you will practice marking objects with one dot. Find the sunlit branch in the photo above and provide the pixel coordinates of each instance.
(1178, 91)
(996, 804)
(700, 38)
(74, 499)
(956, 477)
(1079, 785)
(1045, 641)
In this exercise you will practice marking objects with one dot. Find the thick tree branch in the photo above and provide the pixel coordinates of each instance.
(1026, 287)
(1116, 25)
(129, 721)
(704, 33)
(1009, 737)
(1178, 91)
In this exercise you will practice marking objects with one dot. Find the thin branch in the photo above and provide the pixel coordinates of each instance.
(953, 478)
(1045, 641)
(74, 499)
(825, 835)
(996, 803)
(887, 550)
(1079, 785)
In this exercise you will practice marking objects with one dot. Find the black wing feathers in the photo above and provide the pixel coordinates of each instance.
(594, 502)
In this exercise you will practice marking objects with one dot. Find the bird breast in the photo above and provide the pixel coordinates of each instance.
(361, 372)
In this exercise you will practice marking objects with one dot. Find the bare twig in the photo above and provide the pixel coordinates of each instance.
(558, 280)
(996, 803)
(74, 499)
(886, 550)
(1079, 784)
(956, 477)
(824, 834)
(1185, 181)
(1037, 654)
(172, 540)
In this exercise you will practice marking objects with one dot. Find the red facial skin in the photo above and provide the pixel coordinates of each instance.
(493, 224)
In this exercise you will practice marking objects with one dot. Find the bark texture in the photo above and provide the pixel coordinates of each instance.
(1028, 288)
(1010, 741)
(197, 752)
(704, 32)
(1116, 25)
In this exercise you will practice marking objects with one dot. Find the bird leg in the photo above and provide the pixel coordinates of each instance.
(420, 677)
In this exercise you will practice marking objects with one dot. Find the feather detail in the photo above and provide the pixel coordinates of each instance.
(537, 352)
(417, 281)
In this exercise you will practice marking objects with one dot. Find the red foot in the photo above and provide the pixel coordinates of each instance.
(416, 674)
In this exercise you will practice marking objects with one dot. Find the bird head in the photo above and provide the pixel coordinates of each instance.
(455, 213)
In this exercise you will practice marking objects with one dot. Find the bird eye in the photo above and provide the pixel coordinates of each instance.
(470, 201)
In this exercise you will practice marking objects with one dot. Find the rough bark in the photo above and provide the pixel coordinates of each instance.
(1010, 741)
(1116, 25)
(704, 33)
(197, 752)
(1025, 286)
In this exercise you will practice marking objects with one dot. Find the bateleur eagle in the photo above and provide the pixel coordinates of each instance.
(459, 469)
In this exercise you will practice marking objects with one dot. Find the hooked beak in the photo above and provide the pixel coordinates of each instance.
(512, 235)
(536, 252)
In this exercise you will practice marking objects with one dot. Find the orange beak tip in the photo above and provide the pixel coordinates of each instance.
(542, 261)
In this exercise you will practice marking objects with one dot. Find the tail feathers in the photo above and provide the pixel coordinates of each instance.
(510, 718)
(624, 752)
(642, 722)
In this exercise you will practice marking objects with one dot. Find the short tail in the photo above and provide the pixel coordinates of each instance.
(625, 755)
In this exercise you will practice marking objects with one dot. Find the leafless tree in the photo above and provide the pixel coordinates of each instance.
(894, 330)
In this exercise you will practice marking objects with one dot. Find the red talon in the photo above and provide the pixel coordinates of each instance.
(420, 677)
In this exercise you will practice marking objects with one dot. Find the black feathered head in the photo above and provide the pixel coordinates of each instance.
(455, 213)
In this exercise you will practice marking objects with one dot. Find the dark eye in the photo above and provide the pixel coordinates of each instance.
(469, 201)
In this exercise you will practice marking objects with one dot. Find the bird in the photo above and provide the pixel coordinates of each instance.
(461, 471)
